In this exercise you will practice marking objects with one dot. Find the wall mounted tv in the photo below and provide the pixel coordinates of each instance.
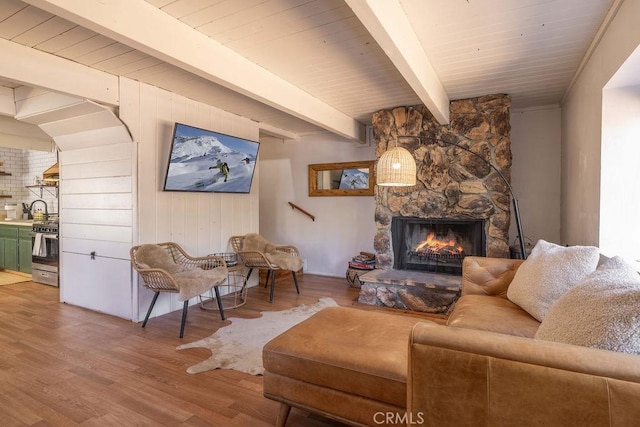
(206, 161)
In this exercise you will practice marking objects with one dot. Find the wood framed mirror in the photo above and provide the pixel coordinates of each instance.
(342, 179)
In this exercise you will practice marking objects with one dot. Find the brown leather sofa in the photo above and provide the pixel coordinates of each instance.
(483, 368)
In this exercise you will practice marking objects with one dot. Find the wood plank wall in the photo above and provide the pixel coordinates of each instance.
(201, 222)
(96, 227)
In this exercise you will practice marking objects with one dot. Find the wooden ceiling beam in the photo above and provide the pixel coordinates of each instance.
(277, 132)
(7, 102)
(40, 69)
(387, 23)
(143, 26)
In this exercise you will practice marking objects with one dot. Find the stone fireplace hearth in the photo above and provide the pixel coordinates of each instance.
(410, 290)
(451, 183)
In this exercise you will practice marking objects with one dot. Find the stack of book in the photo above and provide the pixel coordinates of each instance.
(363, 261)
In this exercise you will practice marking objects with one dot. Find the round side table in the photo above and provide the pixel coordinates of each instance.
(233, 293)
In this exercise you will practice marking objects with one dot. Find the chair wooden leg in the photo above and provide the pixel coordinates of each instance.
(153, 302)
(295, 281)
(185, 307)
(219, 301)
(273, 284)
(285, 409)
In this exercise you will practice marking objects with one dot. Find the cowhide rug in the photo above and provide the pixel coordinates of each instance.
(238, 346)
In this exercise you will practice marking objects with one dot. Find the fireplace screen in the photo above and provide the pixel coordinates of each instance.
(435, 245)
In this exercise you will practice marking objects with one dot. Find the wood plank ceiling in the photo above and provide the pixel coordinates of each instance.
(529, 49)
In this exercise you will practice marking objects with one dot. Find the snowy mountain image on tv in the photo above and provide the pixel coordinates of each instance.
(354, 179)
(208, 161)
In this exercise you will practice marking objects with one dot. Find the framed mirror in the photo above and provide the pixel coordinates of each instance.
(342, 179)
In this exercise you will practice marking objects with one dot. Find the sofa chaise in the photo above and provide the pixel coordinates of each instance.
(485, 367)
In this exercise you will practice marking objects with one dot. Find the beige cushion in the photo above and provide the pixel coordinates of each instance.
(283, 260)
(602, 311)
(548, 273)
(255, 242)
(155, 256)
(197, 281)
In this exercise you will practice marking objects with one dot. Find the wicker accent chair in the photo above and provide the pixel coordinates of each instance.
(256, 259)
(166, 267)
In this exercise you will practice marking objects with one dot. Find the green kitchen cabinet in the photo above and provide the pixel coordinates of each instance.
(24, 249)
(9, 247)
(2, 251)
(15, 248)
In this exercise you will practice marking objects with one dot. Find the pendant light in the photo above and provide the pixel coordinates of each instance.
(396, 168)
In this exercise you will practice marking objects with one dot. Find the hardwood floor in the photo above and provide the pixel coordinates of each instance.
(65, 365)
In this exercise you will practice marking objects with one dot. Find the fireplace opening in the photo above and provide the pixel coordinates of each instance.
(435, 245)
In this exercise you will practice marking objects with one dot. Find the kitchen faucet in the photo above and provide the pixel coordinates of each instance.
(46, 209)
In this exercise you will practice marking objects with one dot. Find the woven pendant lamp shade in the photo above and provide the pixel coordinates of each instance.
(396, 168)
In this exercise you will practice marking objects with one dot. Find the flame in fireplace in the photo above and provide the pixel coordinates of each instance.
(438, 245)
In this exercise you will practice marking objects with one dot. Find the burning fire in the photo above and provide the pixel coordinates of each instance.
(434, 244)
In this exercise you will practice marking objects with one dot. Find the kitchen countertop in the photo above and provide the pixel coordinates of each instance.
(23, 222)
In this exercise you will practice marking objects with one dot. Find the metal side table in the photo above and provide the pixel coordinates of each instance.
(233, 293)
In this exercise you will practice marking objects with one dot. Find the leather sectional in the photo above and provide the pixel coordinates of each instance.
(483, 368)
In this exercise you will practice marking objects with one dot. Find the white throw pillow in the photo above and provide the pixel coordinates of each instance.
(548, 273)
(603, 311)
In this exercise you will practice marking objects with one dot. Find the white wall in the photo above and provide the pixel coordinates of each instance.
(535, 173)
(24, 166)
(37, 162)
(620, 181)
(582, 128)
(343, 226)
(13, 160)
(200, 222)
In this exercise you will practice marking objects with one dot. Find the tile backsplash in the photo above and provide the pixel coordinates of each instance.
(25, 166)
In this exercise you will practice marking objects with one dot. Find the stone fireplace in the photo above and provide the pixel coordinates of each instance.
(459, 206)
(452, 184)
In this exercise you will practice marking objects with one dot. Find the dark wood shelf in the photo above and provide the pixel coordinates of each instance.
(5, 196)
(3, 173)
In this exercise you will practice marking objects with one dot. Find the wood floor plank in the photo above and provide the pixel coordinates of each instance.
(64, 365)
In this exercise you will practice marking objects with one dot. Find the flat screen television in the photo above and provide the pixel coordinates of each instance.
(205, 161)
